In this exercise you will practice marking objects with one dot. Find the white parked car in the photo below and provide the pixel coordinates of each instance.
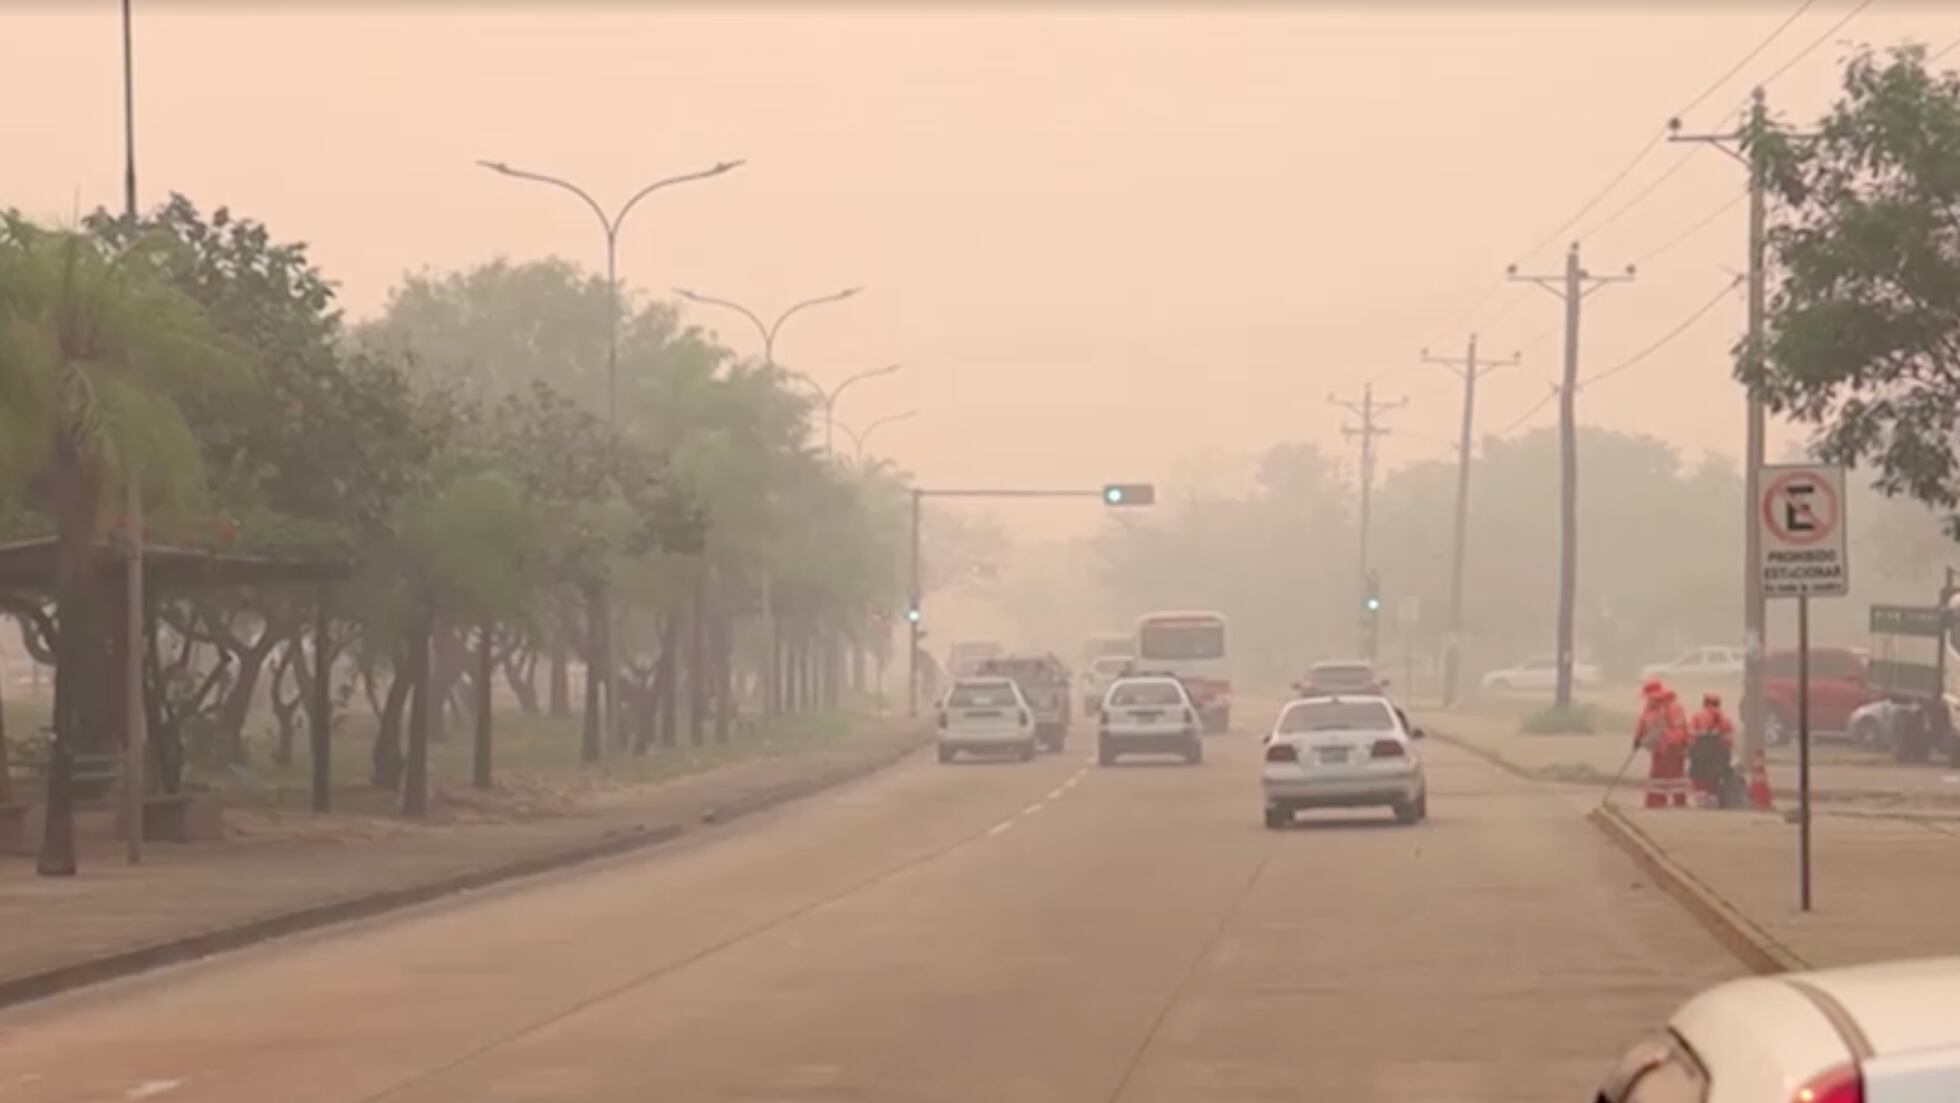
(1701, 663)
(1102, 673)
(985, 716)
(1539, 672)
(1148, 715)
(1886, 1033)
(1343, 752)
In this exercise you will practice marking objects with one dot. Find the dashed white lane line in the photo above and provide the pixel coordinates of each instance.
(1000, 827)
(1032, 809)
(149, 1088)
(1055, 794)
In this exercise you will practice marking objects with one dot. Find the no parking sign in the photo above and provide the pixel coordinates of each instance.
(1802, 519)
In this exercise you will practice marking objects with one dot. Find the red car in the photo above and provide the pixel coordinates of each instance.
(1840, 685)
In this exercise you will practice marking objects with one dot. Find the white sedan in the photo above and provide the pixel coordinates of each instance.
(985, 716)
(1539, 672)
(1884, 1033)
(1702, 662)
(1148, 715)
(1343, 752)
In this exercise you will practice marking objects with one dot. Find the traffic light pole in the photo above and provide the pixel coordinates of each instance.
(1112, 494)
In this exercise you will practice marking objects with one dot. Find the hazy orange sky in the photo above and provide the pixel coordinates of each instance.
(1100, 238)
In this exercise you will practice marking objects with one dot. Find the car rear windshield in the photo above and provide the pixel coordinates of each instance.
(1343, 674)
(1112, 664)
(982, 697)
(1182, 641)
(1319, 716)
(1146, 695)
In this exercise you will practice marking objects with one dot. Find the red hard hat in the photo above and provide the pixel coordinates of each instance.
(1652, 688)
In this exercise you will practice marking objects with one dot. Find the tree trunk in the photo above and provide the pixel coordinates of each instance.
(78, 676)
(521, 675)
(486, 673)
(595, 619)
(387, 757)
(421, 710)
(450, 656)
(724, 647)
(284, 713)
(237, 705)
(561, 673)
(697, 660)
(667, 678)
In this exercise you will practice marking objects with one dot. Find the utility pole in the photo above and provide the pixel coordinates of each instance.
(1744, 145)
(1367, 410)
(913, 613)
(135, 718)
(1469, 369)
(1572, 286)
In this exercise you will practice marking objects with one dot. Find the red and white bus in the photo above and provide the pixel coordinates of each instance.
(1191, 647)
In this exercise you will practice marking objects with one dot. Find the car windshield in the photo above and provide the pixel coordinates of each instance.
(982, 696)
(1182, 641)
(1313, 716)
(1146, 694)
(1343, 675)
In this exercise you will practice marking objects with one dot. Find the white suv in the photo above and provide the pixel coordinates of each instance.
(1147, 715)
(985, 715)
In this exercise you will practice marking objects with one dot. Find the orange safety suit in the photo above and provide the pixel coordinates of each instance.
(1663, 730)
(1711, 720)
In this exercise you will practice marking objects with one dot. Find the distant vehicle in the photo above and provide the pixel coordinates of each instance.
(1147, 715)
(985, 716)
(1044, 684)
(962, 659)
(1341, 676)
(1882, 1033)
(1902, 728)
(1191, 647)
(1107, 643)
(1539, 672)
(1712, 661)
(1102, 673)
(1343, 752)
(1840, 685)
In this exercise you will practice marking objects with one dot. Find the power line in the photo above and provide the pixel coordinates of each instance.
(1678, 330)
(1642, 194)
(1528, 414)
(1661, 136)
(1699, 225)
(1943, 51)
(1847, 17)
(1747, 58)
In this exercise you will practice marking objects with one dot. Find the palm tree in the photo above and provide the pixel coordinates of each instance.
(93, 344)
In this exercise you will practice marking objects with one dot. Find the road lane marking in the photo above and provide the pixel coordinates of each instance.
(150, 1088)
(1031, 809)
(1000, 827)
(1056, 792)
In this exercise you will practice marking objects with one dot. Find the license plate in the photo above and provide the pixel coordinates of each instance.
(983, 714)
(1331, 755)
(1145, 716)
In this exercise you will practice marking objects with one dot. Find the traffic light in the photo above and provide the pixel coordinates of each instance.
(1129, 494)
(1371, 607)
(913, 614)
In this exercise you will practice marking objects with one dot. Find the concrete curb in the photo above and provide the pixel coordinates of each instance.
(1755, 947)
(1487, 755)
(27, 987)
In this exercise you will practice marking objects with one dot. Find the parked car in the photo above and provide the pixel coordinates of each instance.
(1324, 679)
(1883, 1033)
(1901, 728)
(1839, 686)
(1701, 664)
(1537, 673)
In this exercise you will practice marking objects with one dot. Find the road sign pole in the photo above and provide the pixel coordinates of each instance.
(1803, 753)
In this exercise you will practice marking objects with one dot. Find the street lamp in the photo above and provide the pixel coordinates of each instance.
(766, 330)
(610, 225)
(828, 398)
(859, 438)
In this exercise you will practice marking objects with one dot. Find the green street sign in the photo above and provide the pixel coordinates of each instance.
(1914, 678)
(1908, 620)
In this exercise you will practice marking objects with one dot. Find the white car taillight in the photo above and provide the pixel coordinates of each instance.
(1189, 716)
(1282, 752)
(1387, 748)
(942, 718)
(1024, 718)
(1843, 1084)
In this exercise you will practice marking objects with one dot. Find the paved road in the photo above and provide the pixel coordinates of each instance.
(999, 933)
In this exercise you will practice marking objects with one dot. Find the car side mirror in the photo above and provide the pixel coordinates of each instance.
(1417, 733)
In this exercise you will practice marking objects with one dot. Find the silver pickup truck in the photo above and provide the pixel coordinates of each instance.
(1044, 681)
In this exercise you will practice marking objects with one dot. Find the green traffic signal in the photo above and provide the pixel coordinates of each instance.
(1374, 604)
(1129, 494)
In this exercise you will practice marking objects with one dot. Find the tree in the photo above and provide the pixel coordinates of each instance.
(1862, 331)
(95, 343)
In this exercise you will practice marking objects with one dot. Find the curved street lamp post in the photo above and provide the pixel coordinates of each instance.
(610, 224)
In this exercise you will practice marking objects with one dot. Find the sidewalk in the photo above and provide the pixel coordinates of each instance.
(1842, 777)
(1885, 847)
(188, 900)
